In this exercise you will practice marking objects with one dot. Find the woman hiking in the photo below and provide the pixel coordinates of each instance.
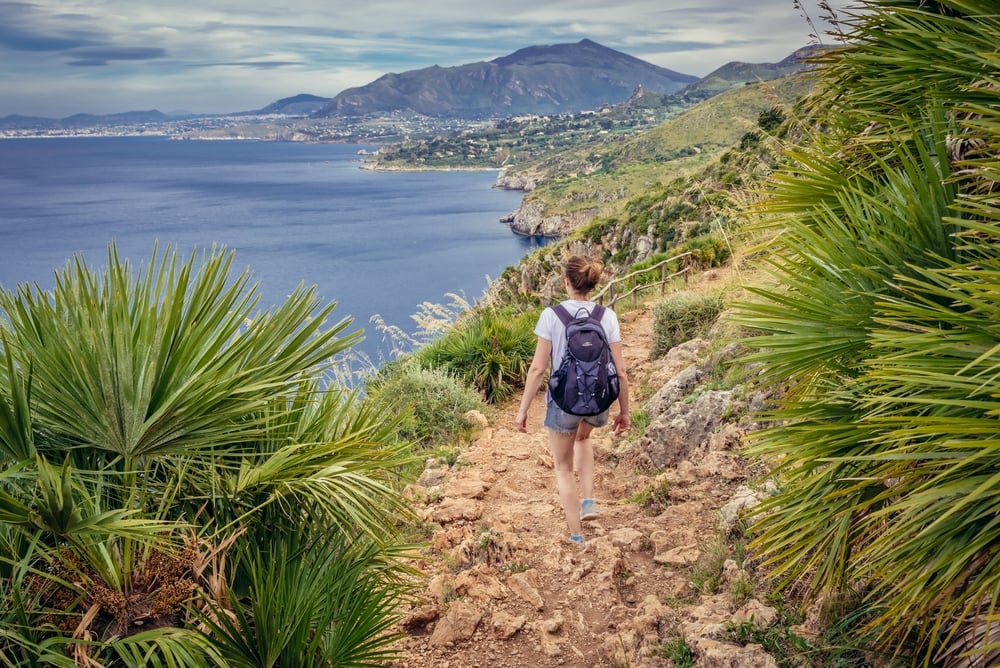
(569, 434)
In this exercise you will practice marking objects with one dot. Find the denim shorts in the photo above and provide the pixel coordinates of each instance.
(559, 420)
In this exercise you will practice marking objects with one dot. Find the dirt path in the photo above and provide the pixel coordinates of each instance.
(506, 588)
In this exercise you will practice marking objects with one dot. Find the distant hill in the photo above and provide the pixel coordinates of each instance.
(84, 120)
(736, 73)
(298, 105)
(562, 78)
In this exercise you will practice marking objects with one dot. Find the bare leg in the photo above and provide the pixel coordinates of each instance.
(583, 458)
(562, 455)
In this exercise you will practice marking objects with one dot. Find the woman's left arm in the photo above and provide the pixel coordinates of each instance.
(622, 420)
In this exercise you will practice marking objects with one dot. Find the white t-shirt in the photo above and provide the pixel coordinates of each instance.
(551, 328)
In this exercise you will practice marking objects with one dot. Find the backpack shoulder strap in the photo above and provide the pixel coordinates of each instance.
(563, 314)
(598, 313)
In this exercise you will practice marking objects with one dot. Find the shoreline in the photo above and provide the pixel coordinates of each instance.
(374, 167)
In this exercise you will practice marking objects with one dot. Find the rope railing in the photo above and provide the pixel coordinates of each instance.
(609, 289)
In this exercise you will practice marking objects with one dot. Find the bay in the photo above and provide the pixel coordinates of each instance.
(377, 243)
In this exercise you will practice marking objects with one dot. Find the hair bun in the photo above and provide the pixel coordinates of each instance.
(584, 272)
(596, 270)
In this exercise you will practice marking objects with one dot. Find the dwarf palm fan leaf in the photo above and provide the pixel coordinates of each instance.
(185, 423)
(885, 228)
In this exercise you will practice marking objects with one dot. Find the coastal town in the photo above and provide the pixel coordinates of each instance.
(382, 128)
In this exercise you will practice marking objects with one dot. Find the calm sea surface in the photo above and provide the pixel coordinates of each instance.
(374, 242)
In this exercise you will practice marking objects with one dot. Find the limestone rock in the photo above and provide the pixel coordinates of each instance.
(684, 427)
(525, 586)
(519, 180)
(762, 616)
(457, 625)
(531, 220)
(638, 633)
(628, 538)
(469, 488)
(683, 555)
(674, 390)
(549, 634)
(480, 583)
(476, 419)
(729, 514)
(453, 509)
(505, 625)
(421, 617)
(714, 654)
(434, 473)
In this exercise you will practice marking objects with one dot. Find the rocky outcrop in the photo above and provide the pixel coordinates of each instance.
(523, 181)
(531, 220)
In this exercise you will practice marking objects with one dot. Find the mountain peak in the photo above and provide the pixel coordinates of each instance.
(547, 79)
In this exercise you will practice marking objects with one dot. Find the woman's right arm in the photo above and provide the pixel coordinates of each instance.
(533, 381)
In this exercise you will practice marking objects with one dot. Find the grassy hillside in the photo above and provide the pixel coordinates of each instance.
(603, 178)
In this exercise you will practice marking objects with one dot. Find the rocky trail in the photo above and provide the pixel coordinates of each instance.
(505, 587)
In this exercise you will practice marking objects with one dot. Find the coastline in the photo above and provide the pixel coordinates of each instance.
(375, 167)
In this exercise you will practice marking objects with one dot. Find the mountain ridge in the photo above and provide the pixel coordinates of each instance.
(560, 78)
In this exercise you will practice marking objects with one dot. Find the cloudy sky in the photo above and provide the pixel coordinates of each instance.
(60, 57)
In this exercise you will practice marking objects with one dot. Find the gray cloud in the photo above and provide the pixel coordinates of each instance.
(100, 55)
(208, 55)
(25, 28)
(257, 65)
(18, 39)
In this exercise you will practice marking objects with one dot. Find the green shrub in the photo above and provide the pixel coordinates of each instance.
(740, 590)
(654, 498)
(680, 318)
(707, 250)
(490, 349)
(431, 402)
(677, 650)
(771, 120)
(640, 422)
(707, 574)
(653, 275)
(779, 641)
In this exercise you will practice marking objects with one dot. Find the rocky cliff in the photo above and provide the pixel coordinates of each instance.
(530, 220)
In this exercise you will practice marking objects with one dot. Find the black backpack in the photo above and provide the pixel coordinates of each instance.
(586, 383)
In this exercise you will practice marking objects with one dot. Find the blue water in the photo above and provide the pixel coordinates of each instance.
(375, 242)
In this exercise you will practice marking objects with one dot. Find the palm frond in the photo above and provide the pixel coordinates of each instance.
(882, 321)
(311, 601)
(164, 648)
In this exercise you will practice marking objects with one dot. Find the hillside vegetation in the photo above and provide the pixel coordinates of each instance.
(602, 178)
(521, 139)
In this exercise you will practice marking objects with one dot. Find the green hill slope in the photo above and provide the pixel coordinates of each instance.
(598, 180)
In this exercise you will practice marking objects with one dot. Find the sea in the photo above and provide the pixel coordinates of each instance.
(378, 243)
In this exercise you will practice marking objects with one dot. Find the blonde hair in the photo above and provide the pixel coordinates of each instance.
(584, 272)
